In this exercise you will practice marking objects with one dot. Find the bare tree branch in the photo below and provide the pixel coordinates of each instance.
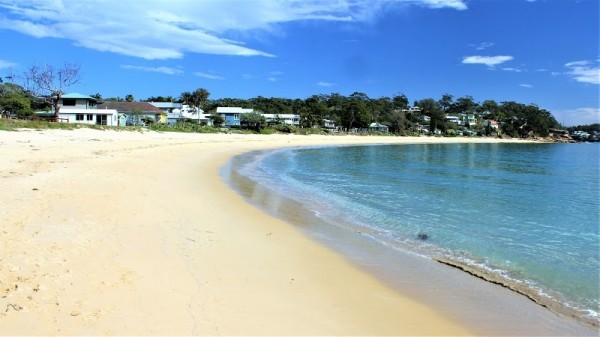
(49, 83)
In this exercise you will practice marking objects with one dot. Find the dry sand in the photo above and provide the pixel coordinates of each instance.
(127, 233)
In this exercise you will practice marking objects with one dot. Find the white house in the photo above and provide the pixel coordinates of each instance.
(468, 118)
(287, 119)
(79, 108)
(454, 119)
(182, 112)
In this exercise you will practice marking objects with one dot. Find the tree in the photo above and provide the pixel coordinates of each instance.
(186, 97)
(13, 100)
(217, 120)
(129, 98)
(400, 101)
(200, 98)
(313, 112)
(464, 105)
(432, 109)
(398, 122)
(49, 83)
(489, 107)
(252, 120)
(446, 102)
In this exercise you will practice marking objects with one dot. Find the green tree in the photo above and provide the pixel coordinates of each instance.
(129, 98)
(446, 102)
(200, 98)
(489, 107)
(314, 111)
(217, 120)
(400, 101)
(252, 120)
(398, 122)
(431, 108)
(355, 113)
(464, 104)
(13, 100)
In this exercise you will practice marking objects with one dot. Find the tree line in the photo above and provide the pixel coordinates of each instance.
(42, 88)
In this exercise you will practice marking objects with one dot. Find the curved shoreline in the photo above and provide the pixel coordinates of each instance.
(305, 221)
(98, 226)
(262, 196)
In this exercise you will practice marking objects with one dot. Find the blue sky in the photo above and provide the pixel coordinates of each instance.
(544, 52)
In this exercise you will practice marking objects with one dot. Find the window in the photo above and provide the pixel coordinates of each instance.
(68, 102)
(90, 117)
(79, 117)
(236, 117)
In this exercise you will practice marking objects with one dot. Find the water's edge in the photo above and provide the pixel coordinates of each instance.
(295, 213)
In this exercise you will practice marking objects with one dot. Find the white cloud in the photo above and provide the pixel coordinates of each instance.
(325, 84)
(162, 70)
(456, 4)
(514, 70)
(164, 29)
(524, 85)
(489, 61)
(208, 76)
(483, 45)
(578, 116)
(584, 71)
(272, 79)
(6, 64)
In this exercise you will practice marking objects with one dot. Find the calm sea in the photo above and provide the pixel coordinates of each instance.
(528, 212)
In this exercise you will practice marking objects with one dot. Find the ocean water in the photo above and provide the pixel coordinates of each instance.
(526, 212)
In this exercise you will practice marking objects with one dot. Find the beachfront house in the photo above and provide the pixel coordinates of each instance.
(454, 119)
(232, 115)
(178, 112)
(286, 119)
(378, 127)
(136, 113)
(83, 109)
(467, 119)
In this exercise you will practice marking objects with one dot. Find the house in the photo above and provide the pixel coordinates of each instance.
(378, 127)
(182, 112)
(287, 119)
(136, 113)
(454, 119)
(467, 118)
(412, 110)
(491, 123)
(329, 124)
(232, 114)
(83, 109)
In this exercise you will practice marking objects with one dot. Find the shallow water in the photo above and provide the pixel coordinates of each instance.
(527, 212)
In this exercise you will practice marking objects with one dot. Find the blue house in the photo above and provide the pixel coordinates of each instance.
(232, 115)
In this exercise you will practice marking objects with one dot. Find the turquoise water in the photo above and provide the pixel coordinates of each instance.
(529, 212)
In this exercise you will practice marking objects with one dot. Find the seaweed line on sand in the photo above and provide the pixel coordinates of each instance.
(556, 307)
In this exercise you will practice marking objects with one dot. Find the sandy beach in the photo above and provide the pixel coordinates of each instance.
(130, 233)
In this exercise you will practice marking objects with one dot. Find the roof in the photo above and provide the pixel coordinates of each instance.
(233, 110)
(166, 105)
(130, 107)
(377, 125)
(78, 95)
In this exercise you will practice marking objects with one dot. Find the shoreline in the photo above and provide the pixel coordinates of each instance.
(101, 225)
(525, 303)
